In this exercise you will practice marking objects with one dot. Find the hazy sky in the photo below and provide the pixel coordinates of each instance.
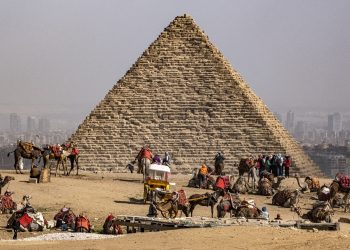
(63, 56)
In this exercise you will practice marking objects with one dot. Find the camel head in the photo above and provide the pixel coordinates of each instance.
(9, 178)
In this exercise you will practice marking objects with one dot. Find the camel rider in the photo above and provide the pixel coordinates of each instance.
(219, 156)
(202, 175)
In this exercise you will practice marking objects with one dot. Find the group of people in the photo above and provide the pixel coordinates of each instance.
(277, 164)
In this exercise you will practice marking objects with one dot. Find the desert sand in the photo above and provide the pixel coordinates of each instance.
(119, 193)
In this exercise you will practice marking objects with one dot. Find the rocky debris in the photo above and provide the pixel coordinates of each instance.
(69, 236)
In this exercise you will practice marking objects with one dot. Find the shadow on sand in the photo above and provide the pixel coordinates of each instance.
(131, 201)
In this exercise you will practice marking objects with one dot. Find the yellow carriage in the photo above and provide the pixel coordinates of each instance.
(156, 181)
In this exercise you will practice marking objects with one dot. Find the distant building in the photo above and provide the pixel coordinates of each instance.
(290, 121)
(15, 123)
(300, 130)
(44, 125)
(31, 124)
(335, 124)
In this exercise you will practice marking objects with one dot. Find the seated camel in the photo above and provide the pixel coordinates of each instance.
(241, 186)
(228, 204)
(310, 184)
(286, 198)
(321, 211)
(267, 187)
(248, 210)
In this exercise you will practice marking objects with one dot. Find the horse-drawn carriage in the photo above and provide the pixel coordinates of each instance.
(157, 180)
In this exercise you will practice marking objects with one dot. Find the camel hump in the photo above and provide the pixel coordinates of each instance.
(26, 146)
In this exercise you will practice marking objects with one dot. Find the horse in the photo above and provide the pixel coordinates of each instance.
(27, 151)
(204, 200)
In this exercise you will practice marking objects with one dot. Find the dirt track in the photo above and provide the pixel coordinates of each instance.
(100, 194)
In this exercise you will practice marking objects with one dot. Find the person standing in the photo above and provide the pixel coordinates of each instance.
(202, 175)
(287, 164)
(167, 159)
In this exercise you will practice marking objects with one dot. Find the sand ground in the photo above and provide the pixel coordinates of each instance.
(118, 193)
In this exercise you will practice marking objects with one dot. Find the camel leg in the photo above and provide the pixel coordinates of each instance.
(57, 166)
(16, 165)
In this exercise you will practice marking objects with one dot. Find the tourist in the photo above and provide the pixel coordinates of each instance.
(157, 160)
(287, 164)
(202, 175)
(279, 164)
(167, 159)
(268, 163)
(264, 213)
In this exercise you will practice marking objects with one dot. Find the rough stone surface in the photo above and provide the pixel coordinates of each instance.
(184, 97)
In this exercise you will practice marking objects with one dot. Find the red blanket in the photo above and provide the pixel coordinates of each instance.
(182, 197)
(345, 182)
(25, 220)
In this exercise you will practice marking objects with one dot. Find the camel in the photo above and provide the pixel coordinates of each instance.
(248, 212)
(310, 184)
(229, 203)
(48, 154)
(268, 175)
(238, 208)
(241, 186)
(204, 200)
(336, 188)
(266, 187)
(245, 165)
(4, 181)
(286, 198)
(346, 199)
(321, 211)
(208, 183)
(27, 151)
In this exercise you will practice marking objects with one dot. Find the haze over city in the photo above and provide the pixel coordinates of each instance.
(294, 55)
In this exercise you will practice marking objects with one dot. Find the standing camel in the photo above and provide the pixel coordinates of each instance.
(60, 156)
(27, 151)
(144, 161)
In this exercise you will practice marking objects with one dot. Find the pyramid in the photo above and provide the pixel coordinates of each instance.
(184, 97)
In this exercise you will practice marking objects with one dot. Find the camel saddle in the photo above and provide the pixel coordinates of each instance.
(344, 181)
(182, 197)
(7, 203)
(27, 146)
